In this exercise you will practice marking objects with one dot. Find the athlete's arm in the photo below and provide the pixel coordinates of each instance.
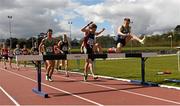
(31, 51)
(40, 46)
(82, 46)
(14, 51)
(84, 29)
(98, 33)
(28, 52)
(59, 46)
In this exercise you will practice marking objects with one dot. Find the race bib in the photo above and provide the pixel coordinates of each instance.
(5, 53)
(90, 41)
(36, 53)
(49, 49)
(64, 48)
(18, 52)
(10, 53)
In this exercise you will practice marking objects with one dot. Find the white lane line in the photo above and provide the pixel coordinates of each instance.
(125, 91)
(130, 92)
(139, 94)
(111, 88)
(87, 100)
(10, 97)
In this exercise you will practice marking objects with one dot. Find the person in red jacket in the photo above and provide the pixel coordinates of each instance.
(4, 54)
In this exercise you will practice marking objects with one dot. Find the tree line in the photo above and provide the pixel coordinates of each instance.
(108, 41)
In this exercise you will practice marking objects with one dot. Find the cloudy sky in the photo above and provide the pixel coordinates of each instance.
(30, 17)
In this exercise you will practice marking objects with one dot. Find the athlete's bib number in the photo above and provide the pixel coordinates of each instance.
(49, 49)
(5, 53)
(64, 48)
(36, 53)
(90, 41)
(18, 52)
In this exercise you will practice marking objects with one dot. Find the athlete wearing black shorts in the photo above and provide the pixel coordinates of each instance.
(88, 43)
(64, 46)
(125, 35)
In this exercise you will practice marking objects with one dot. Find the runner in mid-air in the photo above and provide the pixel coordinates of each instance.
(125, 35)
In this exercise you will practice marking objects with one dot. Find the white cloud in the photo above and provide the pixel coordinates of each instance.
(148, 15)
(31, 17)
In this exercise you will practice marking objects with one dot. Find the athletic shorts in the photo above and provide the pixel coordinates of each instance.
(121, 39)
(88, 50)
(65, 52)
(11, 57)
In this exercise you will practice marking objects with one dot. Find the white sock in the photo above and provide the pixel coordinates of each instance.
(142, 40)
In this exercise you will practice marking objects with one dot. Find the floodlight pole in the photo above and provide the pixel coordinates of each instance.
(70, 23)
(10, 30)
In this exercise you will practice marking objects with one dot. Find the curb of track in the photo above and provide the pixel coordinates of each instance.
(128, 80)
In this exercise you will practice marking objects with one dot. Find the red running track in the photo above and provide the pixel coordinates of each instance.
(73, 91)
